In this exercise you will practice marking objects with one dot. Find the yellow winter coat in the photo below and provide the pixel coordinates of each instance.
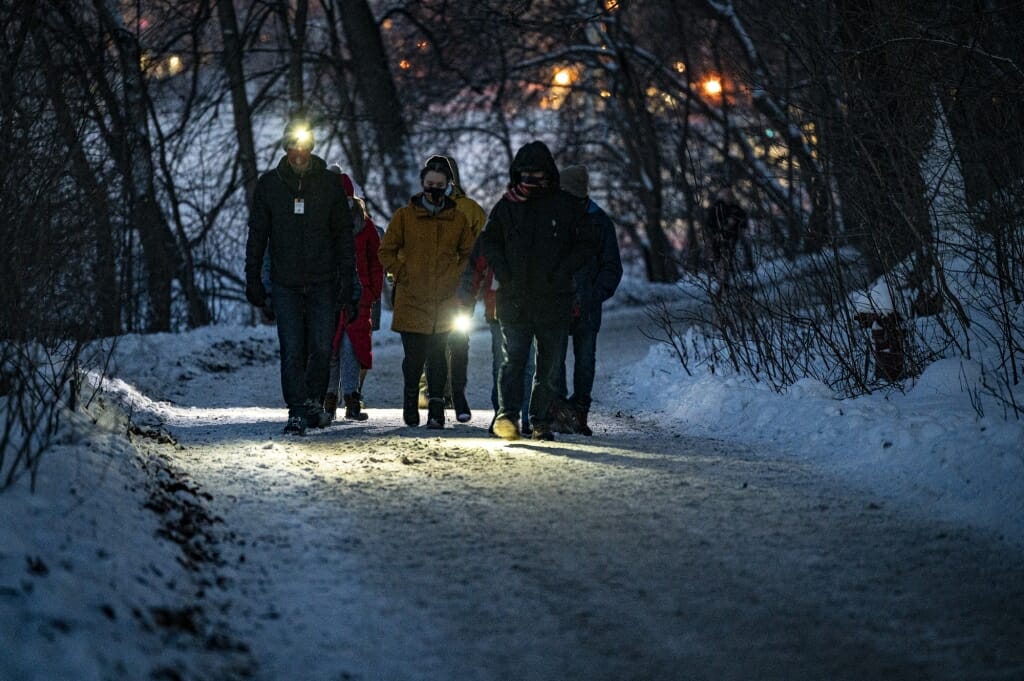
(472, 210)
(426, 255)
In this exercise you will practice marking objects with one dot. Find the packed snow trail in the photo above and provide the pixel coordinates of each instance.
(376, 551)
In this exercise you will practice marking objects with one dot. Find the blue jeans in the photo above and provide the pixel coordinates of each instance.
(584, 353)
(497, 355)
(344, 369)
(305, 328)
(518, 342)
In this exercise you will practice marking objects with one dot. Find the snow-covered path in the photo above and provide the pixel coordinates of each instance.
(376, 551)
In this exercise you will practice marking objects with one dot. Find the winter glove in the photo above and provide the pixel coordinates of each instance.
(350, 310)
(255, 293)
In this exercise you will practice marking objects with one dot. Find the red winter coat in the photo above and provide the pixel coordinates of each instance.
(371, 276)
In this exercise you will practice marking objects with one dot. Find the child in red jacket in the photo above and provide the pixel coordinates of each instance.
(352, 352)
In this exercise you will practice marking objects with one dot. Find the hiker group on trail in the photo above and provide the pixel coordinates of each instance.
(542, 261)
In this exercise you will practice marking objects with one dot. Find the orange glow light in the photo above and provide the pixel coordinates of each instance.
(563, 77)
(713, 86)
(404, 65)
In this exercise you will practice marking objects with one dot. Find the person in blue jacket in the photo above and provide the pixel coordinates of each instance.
(595, 283)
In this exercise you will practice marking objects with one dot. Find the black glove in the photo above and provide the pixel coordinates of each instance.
(255, 293)
(349, 304)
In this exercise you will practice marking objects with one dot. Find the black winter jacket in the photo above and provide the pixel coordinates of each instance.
(311, 248)
(535, 247)
(597, 280)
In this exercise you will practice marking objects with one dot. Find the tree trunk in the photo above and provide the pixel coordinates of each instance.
(351, 140)
(296, 85)
(887, 128)
(239, 99)
(158, 243)
(379, 96)
(643, 148)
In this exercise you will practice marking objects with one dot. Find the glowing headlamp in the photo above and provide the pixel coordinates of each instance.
(300, 137)
(462, 323)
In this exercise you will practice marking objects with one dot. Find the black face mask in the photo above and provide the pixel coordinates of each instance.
(435, 194)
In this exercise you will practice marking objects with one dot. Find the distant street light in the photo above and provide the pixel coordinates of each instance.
(713, 86)
(563, 77)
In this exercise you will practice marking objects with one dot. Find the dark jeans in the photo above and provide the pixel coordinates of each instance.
(518, 341)
(584, 355)
(457, 364)
(305, 328)
(458, 361)
(425, 349)
(497, 356)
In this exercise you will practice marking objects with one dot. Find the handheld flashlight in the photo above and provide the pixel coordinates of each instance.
(462, 323)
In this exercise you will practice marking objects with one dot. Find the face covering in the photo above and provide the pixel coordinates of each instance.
(435, 194)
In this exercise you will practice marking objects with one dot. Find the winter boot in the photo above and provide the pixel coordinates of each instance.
(296, 426)
(410, 406)
(462, 412)
(435, 413)
(354, 408)
(506, 428)
(563, 416)
(581, 421)
(331, 405)
(316, 417)
(542, 431)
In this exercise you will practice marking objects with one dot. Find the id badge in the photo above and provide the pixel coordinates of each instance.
(300, 207)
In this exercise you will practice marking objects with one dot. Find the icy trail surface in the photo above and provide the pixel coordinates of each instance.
(377, 551)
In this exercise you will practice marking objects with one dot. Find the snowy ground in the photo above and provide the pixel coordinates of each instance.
(709, 530)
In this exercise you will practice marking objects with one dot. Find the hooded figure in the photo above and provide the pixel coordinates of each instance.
(536, 238)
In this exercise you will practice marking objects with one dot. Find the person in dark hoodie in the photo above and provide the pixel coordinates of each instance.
(535, 239)
(300, 212)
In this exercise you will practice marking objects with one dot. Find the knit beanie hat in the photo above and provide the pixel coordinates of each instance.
(574, 180)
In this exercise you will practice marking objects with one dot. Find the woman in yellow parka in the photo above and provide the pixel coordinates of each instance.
(425, 248)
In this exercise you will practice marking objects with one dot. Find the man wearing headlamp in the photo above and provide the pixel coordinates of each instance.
(300, 212)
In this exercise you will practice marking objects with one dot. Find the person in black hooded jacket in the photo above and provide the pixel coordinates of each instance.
(300, 211)
(535, 239)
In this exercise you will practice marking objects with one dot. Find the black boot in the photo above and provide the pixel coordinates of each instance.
(581, 421)
(331, 405)
(354, 407)
(462, 412)
(435, 413)
(410, 406)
